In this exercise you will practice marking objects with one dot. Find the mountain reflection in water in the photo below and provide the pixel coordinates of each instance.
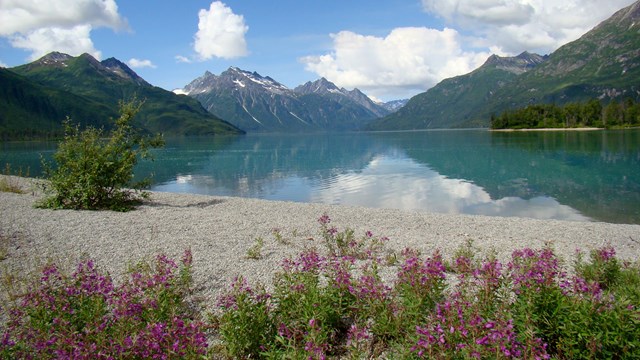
(570, 175)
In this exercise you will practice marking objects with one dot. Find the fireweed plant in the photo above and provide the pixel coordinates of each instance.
(341, 303)
(87, 316)
(335, 304)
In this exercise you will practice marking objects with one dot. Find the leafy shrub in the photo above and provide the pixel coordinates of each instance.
(604, 317)
(246, 324)
(96, 173)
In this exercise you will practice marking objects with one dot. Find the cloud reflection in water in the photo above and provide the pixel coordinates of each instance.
(389, 180)
(399, 182)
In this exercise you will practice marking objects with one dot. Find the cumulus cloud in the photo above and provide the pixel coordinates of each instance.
(62, 25)
(73, 41)
(518, 25)
(137, 63)
(182, 59)
(3, 65)
(406, 61)
(220, 33)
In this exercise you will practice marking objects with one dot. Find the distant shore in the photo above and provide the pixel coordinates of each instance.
(549, 129)
(220, 230)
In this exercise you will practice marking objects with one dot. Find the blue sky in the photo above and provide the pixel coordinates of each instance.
(388, 49)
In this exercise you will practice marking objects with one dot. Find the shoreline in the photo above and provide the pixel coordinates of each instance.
(219, 231)
(549, 129)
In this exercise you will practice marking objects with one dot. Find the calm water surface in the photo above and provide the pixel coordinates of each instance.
(573, 175)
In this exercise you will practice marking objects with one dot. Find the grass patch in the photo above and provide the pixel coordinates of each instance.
(10, 184)
(4, 246)
(255, 251)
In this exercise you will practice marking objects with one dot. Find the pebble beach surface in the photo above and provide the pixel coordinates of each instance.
(220, 230)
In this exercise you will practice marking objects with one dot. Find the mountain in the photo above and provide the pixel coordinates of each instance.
(327, 89)
(89, 91)
(604, 63)
(261, 104)
(515, 65)
(394, 105)
(454, 101)
(30, 110)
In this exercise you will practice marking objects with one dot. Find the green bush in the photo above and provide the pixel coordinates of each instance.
(96, 172)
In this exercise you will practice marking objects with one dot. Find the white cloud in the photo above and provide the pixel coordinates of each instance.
(182, 59)
(220, 33)
(138, 63)
(3, 65)
(518, 25)
(61, 25)
(486, 11)
(406, 61)
(40, 42)
(411, 60)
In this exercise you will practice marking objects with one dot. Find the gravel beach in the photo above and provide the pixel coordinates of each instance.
(220, 230)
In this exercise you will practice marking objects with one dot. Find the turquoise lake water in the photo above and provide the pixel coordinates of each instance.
(572, 175)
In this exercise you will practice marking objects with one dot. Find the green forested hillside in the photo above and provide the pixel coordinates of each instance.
(39, 95)
(440, 106)
(30, 110)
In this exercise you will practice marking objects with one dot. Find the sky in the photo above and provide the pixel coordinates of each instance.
(390, 49)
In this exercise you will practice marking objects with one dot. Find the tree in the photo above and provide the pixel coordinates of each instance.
(631, 112)
(572, 115)
(94, 172)
(592, 113)
(612, 114)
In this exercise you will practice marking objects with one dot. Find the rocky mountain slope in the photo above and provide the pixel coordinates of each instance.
(258, 103)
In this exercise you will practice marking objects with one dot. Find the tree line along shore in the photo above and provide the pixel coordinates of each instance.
(577, 115)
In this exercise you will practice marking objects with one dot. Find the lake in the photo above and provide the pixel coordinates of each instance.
(569, 175)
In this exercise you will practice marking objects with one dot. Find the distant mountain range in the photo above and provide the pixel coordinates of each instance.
(36, 97)
(258, 103)
(604, 64)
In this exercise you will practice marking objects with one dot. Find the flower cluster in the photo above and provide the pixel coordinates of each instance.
(529, 308)
(344, 243)
(86, 316)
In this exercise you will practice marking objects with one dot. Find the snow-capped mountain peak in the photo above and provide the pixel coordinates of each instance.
(321, 86)
(259, 103)
(240, 78)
